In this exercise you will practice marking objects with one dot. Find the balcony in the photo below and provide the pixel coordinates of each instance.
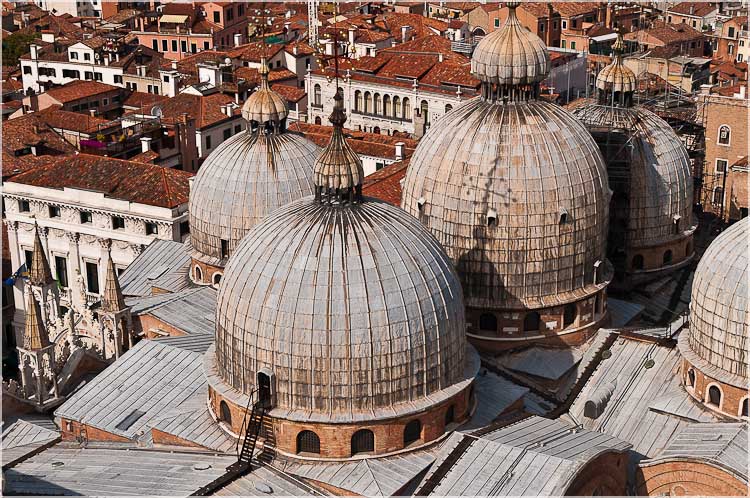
(382, 117)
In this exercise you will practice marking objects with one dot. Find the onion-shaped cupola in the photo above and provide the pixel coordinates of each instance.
(348, 318)
(515, 189)
(715, 347)
(249, 175)
(616, 83)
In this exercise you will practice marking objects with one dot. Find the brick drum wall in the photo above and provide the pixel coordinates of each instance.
(71, 430)
(687, 478)
(510, 326)
(206, 269)
(605, 475)
(731, 396)
(335, 439)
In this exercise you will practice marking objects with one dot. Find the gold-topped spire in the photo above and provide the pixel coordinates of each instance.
(112, 299)
(338, 171)
(616, 82)
(39, 273)
(35, 335)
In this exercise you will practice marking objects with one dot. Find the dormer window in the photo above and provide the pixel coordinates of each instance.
(563, 215)
(421, 202)
(491, 217)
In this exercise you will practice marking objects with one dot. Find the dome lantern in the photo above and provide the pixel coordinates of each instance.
(265, 107)
(616, 83)
(338, 171)
(511, 62)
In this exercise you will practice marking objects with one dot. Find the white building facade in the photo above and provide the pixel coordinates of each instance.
(78, 229)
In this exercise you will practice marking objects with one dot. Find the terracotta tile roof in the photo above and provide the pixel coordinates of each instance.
(462, 6)
(55, 117)
(119, 179)
(371, 36)
(139, 100)
(252, 76)
(146, 157)
(206, 109)
(252, 52)
(290, 93)
(572, 9)
(432, 44)
(728, 91)
(386, 183)
(697, 9)
(420, 25)
(123, 15)
(367, 144)
(742, 163)
(303, 49)
(666, 33)
(58, 25)
(142, 56)
(27, 130)
(536, 9)
(79, 89)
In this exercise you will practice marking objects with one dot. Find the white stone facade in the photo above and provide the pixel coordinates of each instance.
(69, 237)
(399, 108)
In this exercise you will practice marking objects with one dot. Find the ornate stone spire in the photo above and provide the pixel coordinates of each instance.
(112, 299)
(616, 82)
(511, 61)
(338, 170)
(39, 273)
(265, 105)
(35, 332)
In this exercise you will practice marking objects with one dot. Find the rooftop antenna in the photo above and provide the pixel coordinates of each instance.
(312, 16)
(338, 38)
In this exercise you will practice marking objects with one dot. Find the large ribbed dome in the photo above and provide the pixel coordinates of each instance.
(517, 194)
(511, 55)
(242, 181)
(719, 321)
(354, 308)
(661, 180)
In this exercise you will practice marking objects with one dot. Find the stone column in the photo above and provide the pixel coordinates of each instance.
(105, 246)
(74, 269)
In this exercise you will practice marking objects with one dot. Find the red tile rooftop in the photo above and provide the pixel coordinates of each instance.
(386, 183)
(79, 89)
(116, 178)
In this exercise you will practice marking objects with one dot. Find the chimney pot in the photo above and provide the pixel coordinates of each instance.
(146, 144)
(92, 112)
(174, 65)
(400, 151)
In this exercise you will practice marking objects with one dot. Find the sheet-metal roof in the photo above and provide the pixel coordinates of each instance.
(512, 461)
(191, 310)
(198, 343)
(161, 260)
(547, 363)
(191, 421)
(372, 477)
(151, 378)
(622, 312)
(722, 444)
(627, 414)
(279, 484)
(494, 395)
(67, 469)
(25, 435)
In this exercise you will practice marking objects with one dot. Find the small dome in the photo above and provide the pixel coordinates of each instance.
(511, 55)
(719, 320)
(661, 178)
(241, 182)
(616, 77)
(353, 307)
(265, 105)
(517, 194)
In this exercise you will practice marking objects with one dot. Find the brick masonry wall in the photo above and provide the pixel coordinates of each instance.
(71, 430)
(335, 439)
(731, 397)
(685, 478)
(207, 271)
(148, 323)
(606, 475)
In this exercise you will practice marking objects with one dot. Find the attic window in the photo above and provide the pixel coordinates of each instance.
(491, 217)
(131, 419)
(224, 248)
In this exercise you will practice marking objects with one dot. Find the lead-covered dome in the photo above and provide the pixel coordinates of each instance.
(247, 177)
(512, 55)
(616, 77)
(719, 321)
(517, 195)
(352, 309)
(660, 181)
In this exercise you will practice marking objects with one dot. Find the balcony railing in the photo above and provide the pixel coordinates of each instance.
(92, 297)
(382, 116)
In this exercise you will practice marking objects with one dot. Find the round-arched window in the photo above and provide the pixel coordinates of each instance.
(308, 442)
(216, 278)
(691, 378)
(225, 413)
(198, 274)
(412, 432)
(488, 321)
(363, 441)
(667, 256)
(531, 322)
(638, 262)
(570, 312)
(450, 415)
(714, 396)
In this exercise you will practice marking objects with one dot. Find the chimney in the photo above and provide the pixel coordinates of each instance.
(692, 9)
(117, 56)
(440, 57)
(228, 109)
(48, 36)
(34, 51)
(550, 15)
(145, 144)
(174, 65)
(405, 33)
(400, 151)
(92, 112)
(352, 34)
(295, 49)
(107, 58)
(237, 39)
